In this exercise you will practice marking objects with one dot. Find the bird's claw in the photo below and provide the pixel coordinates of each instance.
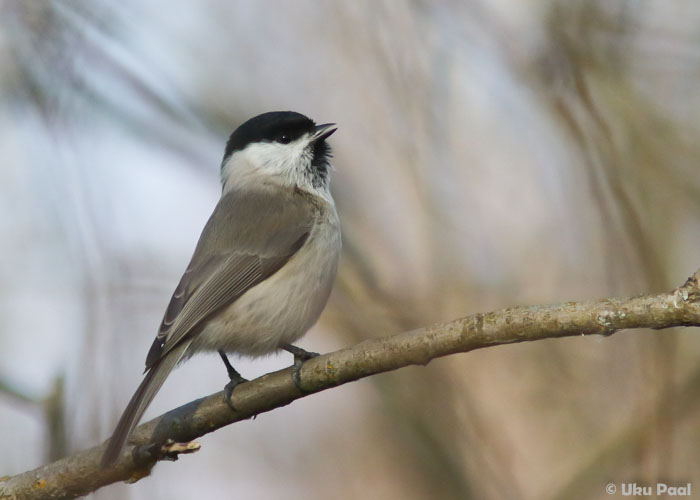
(228, 390)
(300, 355)
(235, 379)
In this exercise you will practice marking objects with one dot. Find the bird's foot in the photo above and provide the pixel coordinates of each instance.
(235, 378)
(300, 355)
(228, 390)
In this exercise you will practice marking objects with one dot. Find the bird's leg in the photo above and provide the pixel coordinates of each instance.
(300, 355)
(235, 379)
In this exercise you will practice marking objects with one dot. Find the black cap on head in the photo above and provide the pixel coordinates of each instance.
(281, 126)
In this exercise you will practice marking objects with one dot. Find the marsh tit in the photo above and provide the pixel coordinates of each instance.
(264, 265)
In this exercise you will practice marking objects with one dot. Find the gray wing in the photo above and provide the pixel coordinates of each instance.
(248, 238)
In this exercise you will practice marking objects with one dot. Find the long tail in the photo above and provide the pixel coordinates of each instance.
(139, 402)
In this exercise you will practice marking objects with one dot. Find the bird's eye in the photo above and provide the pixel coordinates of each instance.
(284, 139)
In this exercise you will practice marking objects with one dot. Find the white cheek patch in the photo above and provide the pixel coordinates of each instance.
(275, 158)
(288, 163)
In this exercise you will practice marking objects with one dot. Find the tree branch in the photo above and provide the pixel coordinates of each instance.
(161, 438)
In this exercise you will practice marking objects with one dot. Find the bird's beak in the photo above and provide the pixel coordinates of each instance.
(323, 131)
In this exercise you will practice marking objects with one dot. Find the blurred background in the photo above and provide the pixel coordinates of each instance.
(489, 154)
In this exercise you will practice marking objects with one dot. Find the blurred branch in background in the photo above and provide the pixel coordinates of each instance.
(7, 388)
(55, 411)
(52, 411)
(153, 441)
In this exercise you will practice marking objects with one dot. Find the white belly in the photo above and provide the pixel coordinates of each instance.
(282, 308)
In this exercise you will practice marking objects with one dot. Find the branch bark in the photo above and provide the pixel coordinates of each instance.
(161, 438)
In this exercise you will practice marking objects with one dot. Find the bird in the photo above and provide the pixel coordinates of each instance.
(264, 265)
